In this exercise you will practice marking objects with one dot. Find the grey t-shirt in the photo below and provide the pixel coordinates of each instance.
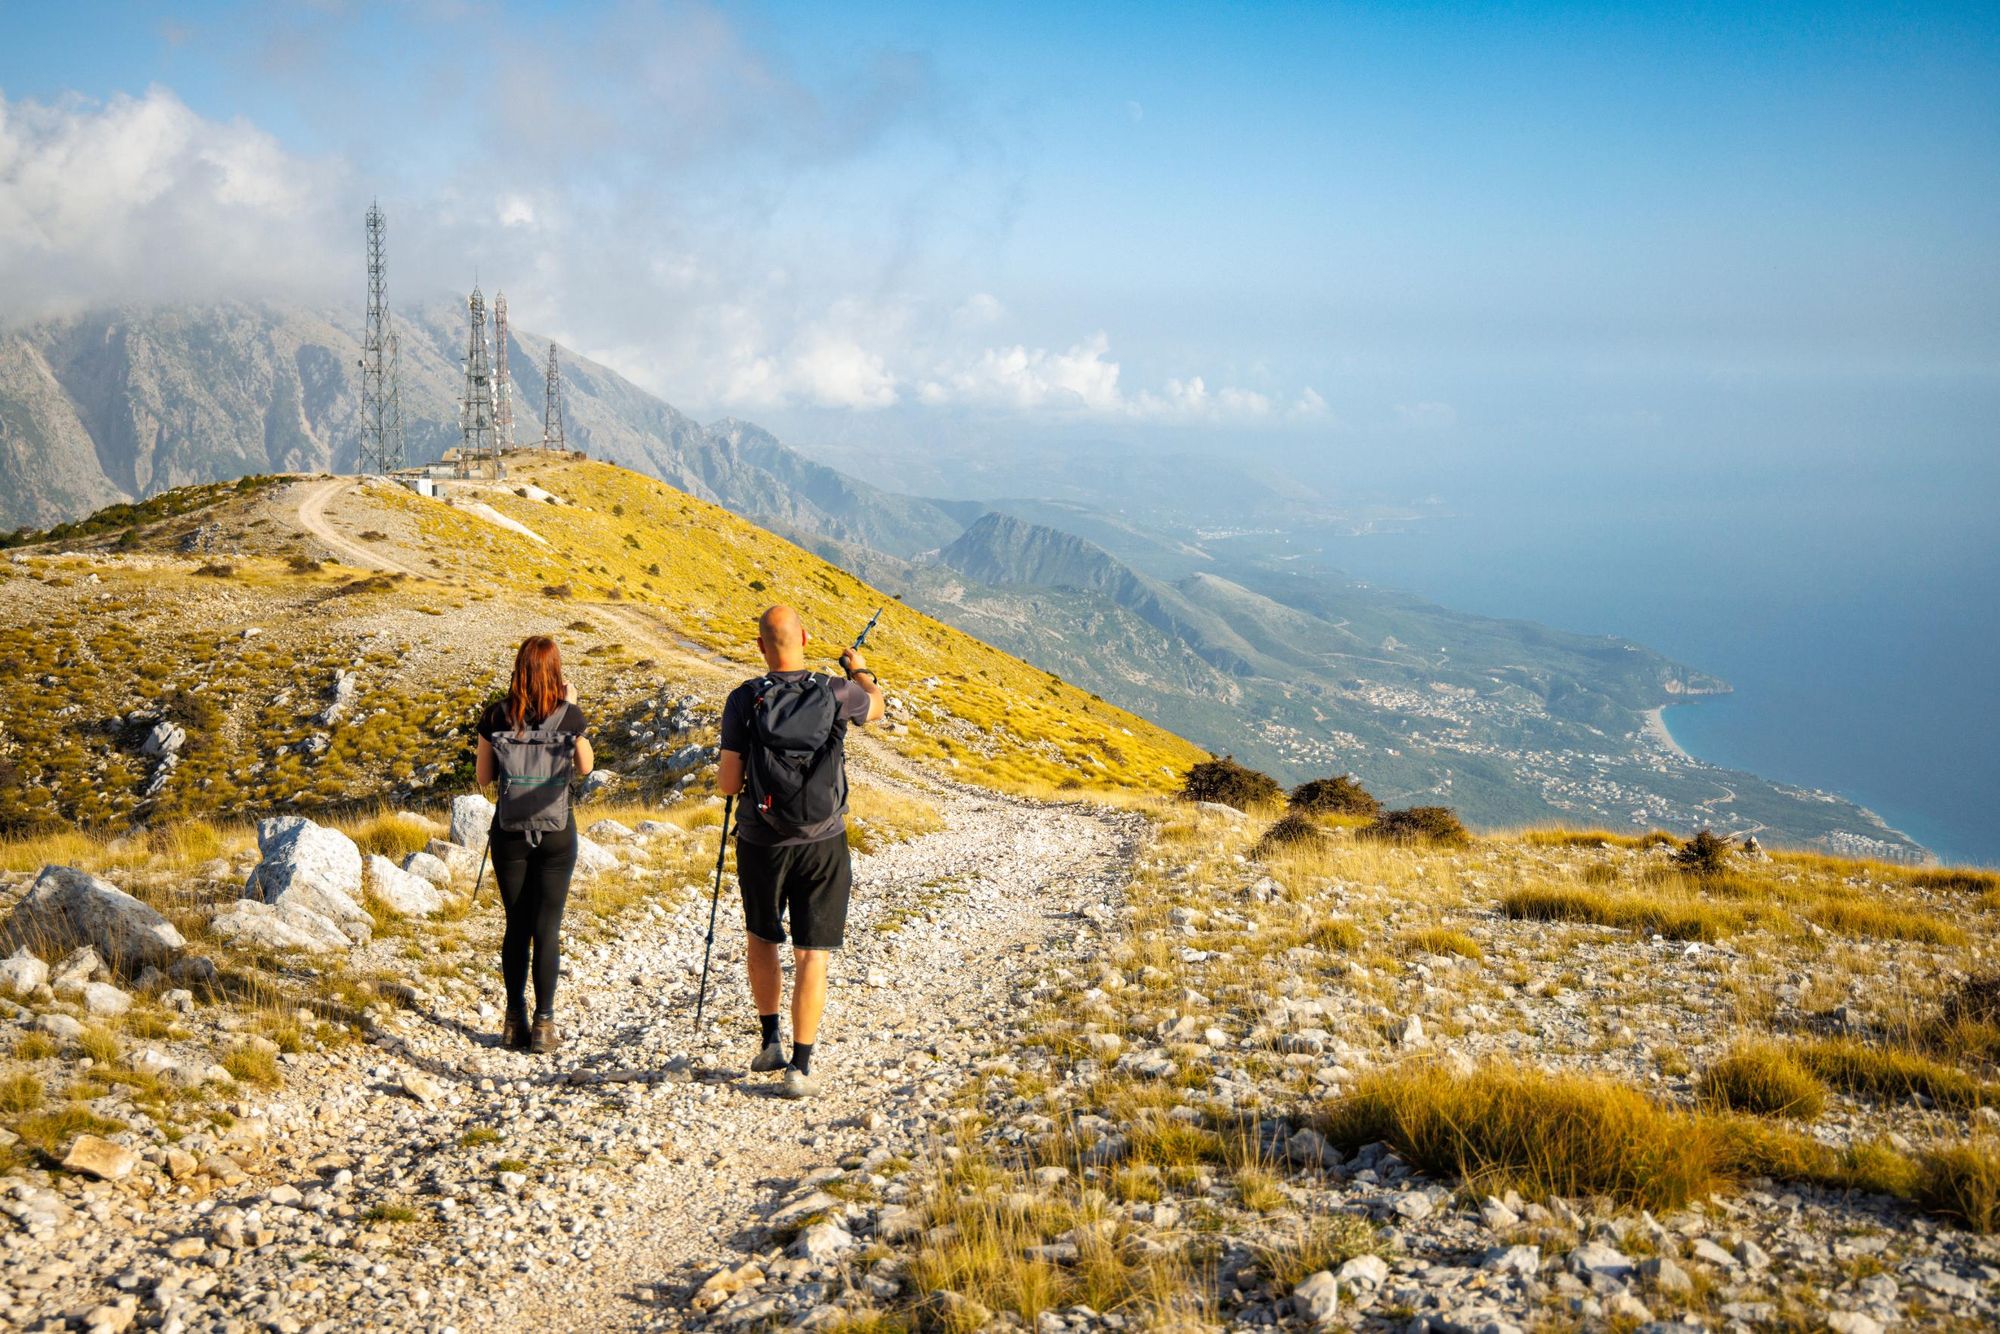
(852, 702)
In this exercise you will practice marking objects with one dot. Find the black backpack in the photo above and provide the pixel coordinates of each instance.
(796, 767)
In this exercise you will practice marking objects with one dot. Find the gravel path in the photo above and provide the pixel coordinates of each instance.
(429, 1180)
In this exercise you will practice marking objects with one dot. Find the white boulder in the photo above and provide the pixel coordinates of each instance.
(471, 820)
(165, 739)
(429, 867)
(68, 908)
(403, 893)
(314, 867)
(463, 863)
(21, 972)
(593, 858)
(104, 1000)
(290, 926)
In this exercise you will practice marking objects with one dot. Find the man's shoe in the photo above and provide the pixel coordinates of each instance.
(799, 1084)
(769, 1059)
(542, 1037)
(514, 1036)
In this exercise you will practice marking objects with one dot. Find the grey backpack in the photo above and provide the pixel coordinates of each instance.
(535, 767)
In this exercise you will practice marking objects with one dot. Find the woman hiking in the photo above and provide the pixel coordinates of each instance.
(536, 727)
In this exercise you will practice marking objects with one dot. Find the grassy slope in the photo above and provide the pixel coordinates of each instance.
(127, 624)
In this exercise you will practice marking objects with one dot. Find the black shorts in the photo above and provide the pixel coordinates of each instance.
(807, 882)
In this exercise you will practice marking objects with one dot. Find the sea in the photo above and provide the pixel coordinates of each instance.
(1859, 624)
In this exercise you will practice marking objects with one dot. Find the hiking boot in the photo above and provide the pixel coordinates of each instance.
(514, 1036)
(769, 1059)
(542, 1037)
(799, 1084)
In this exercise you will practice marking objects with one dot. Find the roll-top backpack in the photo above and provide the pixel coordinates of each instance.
(535, 767)
(795, 768)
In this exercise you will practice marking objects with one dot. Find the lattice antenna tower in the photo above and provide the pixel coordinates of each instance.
(552, 406)
(381, 393)
(503, 383)
(477, 451)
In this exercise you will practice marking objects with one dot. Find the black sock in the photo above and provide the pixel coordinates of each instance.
(802, 1057)
(769, 1023)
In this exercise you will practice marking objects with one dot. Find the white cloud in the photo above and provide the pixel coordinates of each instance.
(1310, 403)
(839, 372)
(139, 198)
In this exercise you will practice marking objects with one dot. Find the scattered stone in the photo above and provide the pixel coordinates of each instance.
(314, 867)
(21, 972)
(1317, 1298)
(429, 867)
(822, 1242)
(99, 1158)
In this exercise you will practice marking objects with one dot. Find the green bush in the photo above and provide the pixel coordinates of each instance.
(1437, 825)
(1705, 854)
(1226, 782)
(1289, 831)
(1335, 796)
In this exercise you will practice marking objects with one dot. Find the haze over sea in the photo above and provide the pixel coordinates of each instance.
(1853, 602)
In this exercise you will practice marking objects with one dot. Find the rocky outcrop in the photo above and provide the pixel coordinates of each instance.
(291, 925)
(315, 869)
(68, 908)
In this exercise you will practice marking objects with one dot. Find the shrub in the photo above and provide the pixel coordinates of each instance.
(1334, 933)
(1438, 825)
(1977, 1000)
(300, 563)
(1226, 782)
(1335, 796)
(1440, 940)
(1763, 1078)
(1705, 854)
(216, 569)
(1540, 1132)
(1962, 1183)
(1289, 831)
(557, 591)
(20, 1094)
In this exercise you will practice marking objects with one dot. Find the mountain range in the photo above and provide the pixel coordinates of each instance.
(1512, 722)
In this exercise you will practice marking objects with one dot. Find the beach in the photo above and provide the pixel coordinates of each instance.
(1656, 728)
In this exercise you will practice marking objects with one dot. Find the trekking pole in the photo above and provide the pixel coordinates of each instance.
(482, 866)
(721, 853)
(862, 638)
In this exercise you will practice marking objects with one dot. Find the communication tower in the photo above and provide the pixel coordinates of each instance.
(478, 452)
(552, 406)
(381, 396)
(503, 383)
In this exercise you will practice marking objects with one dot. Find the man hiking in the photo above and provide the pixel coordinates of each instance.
(784, 739)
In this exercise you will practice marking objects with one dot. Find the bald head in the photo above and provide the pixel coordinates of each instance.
(782, 636)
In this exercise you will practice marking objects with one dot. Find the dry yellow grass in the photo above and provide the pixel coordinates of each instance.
(1763, 1078)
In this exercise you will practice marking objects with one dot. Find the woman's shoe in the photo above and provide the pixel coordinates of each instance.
(514, 1036)
(542, 1037)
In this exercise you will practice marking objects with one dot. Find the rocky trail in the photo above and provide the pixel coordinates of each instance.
(429, 1180)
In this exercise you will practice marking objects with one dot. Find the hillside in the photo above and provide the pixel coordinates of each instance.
(123, 404)
(1510, 722)
(234, 614)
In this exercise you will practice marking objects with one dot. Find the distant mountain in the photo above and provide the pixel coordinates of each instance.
(122, 404)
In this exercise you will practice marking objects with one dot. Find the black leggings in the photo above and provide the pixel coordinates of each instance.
(534, 884)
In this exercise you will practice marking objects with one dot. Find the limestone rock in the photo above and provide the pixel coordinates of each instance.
(72, 908)
(21, 972)
(165, 739)
(405, 894)
(75, 968)
(597, 782)
(292, 926)
(99, 1158)
(463, 863)
(471, 820)
(593, 858)
(314, 867)
(432, 868)
(1317, 1298)
(104, 1000)
(823, 1242)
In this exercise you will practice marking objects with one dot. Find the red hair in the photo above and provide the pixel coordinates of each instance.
(538, 681)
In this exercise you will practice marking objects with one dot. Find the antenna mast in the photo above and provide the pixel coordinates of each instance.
(477, 455)
(381, 396)
(503, 384)
(552, 407)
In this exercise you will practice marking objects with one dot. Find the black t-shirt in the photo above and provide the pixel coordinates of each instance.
(566, 718)
(852, 707)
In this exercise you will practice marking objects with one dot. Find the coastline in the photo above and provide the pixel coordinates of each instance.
(1656, 728)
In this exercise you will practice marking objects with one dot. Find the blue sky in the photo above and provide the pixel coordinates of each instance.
(1178, 219)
